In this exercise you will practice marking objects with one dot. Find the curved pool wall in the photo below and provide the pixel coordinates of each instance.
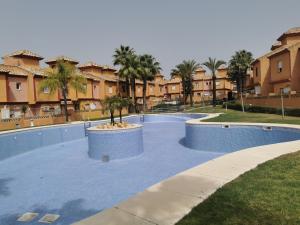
(218, 138)
(22, 141)
(157, 118)
(14, 143)
(109, 145)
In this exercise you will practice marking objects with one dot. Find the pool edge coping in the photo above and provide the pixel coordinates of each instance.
(177, 192)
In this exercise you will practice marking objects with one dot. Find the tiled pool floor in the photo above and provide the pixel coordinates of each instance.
(62, 180)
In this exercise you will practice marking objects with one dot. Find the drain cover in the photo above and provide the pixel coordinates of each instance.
(26, 217)
(49, 218)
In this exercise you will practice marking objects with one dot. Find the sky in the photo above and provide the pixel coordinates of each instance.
(170, 30)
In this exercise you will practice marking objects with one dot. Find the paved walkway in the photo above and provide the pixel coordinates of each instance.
(167, 202)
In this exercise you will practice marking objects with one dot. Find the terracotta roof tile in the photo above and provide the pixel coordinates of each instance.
(14, 70)
(89, 64)
(25, 53)
(107, 67)
(200, 69)
(292, 31)
(62, 57)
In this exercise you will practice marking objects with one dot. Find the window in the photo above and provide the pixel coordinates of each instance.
(257, 90)
(279, 66)
(46, 90)
(138, 89)
(256, 71)
(217, 83)
(18, 86)
(285, 90)
(173, 88)
(110, 90)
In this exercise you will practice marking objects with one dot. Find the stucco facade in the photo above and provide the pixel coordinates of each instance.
(278, 71)
(21, 76)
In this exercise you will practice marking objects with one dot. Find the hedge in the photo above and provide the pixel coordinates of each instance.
(263, 109)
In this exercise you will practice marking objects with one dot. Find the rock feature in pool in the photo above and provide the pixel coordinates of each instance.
(109, 143)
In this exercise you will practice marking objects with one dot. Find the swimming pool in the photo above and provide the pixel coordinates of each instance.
(47, 170)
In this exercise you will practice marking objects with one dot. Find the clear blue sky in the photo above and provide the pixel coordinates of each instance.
(171, 30)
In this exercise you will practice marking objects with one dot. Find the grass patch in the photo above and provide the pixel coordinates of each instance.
(238, 116)
(267, 195)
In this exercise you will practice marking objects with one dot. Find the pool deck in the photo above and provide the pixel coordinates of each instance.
(168, 201)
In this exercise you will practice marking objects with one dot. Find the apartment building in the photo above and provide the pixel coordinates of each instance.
(278, 71)
(20, 79)
(21, 75)
(202, 86)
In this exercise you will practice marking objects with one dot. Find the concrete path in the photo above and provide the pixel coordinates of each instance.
(167, 202)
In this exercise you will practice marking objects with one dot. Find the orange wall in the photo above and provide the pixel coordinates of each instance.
(41, 96)
(3, 92)
(15, 95)
(21, 61)
(286, 71)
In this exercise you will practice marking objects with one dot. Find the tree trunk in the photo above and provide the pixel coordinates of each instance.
(133, 99)
(144, 94)
(183, 92)
(112, 120)
(120, 114)
(191, 94)
(214, 90)
(64, 92)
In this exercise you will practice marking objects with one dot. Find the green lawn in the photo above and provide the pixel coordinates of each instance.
(267, 195)
(238, 116)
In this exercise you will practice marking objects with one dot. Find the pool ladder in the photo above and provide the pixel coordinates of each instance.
(86, 126)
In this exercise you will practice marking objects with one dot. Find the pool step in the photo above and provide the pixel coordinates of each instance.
(26, 217)
(47, 218)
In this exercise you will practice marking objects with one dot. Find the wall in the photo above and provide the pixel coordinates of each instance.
(3, 92)
(285, 74)
(292, 101)
(15, 95)
(38, 121)
(41, 96)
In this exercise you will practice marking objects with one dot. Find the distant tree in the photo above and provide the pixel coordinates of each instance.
(129, 64)
(121, 58)
(111, 104)
(122, 103)
(24, 109)
(213, 64)
(148, 68)
(238, 66)
(186, 71)
(61, 77)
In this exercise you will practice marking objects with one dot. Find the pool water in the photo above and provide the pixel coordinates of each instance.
(57, 176)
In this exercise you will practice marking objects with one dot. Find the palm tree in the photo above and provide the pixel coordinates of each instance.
(148, 68)
(61, 77)
(111, 104)
(186, 71)
(130, 66)
(238, 66)
(122, 103)
(120, 58)
(213, 65)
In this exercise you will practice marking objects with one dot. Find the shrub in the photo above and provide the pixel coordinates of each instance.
(263, 109)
